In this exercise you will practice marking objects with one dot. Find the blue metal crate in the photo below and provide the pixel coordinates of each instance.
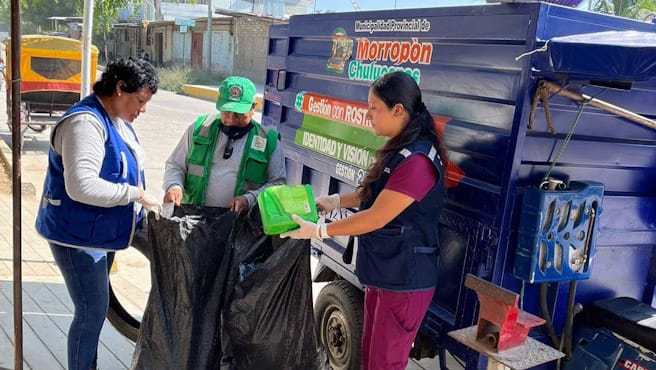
(557, 233)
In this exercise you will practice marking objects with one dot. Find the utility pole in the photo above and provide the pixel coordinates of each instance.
(87, 28)
(210, 15)
(17, 215)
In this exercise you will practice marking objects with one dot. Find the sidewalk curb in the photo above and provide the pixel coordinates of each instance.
(212, 93)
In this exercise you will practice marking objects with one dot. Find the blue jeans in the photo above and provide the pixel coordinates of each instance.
(86, 273)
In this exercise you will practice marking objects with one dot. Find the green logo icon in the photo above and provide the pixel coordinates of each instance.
(299, 100)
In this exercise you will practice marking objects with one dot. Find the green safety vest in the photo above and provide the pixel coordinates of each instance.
(252, 169)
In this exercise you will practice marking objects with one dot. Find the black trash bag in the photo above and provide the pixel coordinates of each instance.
(189, 263)
(269, 315)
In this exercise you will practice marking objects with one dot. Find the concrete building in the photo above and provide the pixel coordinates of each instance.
(178, 36)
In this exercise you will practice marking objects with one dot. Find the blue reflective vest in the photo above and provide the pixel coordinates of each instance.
(62, 220)
(403, 255)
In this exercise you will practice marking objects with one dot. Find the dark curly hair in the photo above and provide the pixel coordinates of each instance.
(400, 88)
(135, 73)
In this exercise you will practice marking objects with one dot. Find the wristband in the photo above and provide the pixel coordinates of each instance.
(323, 231)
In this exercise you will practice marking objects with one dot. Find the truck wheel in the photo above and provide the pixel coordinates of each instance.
(37, 128)
(121, 319)
(338, 314)
(117, 315)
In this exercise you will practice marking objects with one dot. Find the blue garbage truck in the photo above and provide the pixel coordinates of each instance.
(547, 113)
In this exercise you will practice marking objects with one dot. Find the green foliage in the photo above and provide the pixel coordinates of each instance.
(106, 12)
(173, 78)
(644, 10)
(202, 77)
(35, 14)
(4, 11)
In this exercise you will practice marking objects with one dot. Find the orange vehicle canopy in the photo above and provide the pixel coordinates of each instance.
(51, 63)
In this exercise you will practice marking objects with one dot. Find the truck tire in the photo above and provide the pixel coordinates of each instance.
(121, 319)
(338, 314)
(117, 315)
(37, 128)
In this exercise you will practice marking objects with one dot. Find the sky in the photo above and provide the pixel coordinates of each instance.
(347, 6)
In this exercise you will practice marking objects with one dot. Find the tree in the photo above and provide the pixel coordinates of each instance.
(4, 11)
(645, 10)
(637, 9)
(35, 14)
(105, 14)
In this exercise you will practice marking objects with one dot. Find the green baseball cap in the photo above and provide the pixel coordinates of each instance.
(236, 94)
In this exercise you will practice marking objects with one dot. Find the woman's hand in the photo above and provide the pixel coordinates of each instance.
(149, 202)
(307, 230)
(326, 204)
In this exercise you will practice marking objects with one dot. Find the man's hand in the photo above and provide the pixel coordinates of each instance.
(173, 196)
(238, 205)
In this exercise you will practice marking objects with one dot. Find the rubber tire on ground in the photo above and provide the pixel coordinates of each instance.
(37, 128)
(338, 314)
(121, 319)
(117, 315)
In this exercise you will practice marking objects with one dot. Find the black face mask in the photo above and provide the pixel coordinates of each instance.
(233, 133)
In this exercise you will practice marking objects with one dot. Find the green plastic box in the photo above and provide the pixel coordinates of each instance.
(278, 203)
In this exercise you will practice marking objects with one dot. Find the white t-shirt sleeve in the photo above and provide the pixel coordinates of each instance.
(175, 169)
(80, 140)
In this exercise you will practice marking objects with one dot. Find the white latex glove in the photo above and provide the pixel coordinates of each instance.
(150, 203)
(326, 204)
(307, 230)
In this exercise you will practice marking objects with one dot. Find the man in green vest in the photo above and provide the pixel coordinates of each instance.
(225, 160)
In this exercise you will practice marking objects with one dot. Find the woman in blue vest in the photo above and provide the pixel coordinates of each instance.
(399, 203)
(93, 194)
